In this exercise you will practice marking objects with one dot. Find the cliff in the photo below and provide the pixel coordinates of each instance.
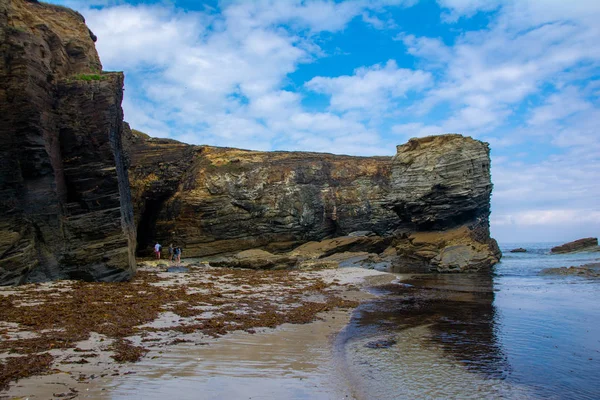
(430, 202)
(68, 200)
(65, 209)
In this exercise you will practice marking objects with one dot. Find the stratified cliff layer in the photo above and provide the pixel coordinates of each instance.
(431, 201)
(65, 209)
(440, 189)
(217, 200)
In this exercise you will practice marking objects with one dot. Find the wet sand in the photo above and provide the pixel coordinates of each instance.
(291, 361)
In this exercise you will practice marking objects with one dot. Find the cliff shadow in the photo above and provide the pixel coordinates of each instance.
(146, 228)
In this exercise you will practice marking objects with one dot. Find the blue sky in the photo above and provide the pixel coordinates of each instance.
(361, 76)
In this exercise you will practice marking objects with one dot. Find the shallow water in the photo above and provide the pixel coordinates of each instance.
(291, 362)
(510, 334)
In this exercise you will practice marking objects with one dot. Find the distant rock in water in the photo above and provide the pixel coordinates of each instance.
(519, 250)
(587, 244)
(587, 270)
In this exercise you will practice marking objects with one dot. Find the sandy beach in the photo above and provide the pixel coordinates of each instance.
(251, 334)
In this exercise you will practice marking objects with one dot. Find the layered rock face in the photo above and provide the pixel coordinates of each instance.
(65, 208)
(440, 190)
(217, 200)
(430, 201)
(585, 244)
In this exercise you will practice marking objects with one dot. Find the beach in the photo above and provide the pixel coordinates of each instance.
(349, 333)
(285, 351)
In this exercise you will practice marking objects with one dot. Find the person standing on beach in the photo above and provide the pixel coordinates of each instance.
(177, 254)
(171, 252)
(157, 248)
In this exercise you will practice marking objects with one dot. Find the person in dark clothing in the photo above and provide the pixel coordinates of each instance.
(177, 254)
(171, 252)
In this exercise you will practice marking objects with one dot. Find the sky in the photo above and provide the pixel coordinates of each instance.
(362, 76)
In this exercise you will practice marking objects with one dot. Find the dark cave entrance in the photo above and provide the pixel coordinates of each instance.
(146, 229)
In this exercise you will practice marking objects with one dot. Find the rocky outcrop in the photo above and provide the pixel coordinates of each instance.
(329, 253)
(440, 182)
(429, 204)
(65, 208)
(159, 168)
(587, 270)
(585, 244)
(519, 250)
(440, 191)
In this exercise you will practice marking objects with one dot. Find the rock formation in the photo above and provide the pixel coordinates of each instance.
(430, 202)
(586, 244)
(519, 250)
(67, 199)
(65, 209)
(587, 270)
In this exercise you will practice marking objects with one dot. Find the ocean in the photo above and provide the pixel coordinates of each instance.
(510, 334)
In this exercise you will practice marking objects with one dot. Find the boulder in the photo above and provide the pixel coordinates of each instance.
(519, 250)
(585, 244)
(587, 270)
(328, 247)
(453, 250)
(256, 259)
(461, 258)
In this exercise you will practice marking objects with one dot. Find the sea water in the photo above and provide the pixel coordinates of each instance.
(512, 333)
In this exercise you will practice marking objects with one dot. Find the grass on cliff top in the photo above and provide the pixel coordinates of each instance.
(89, 77)
(140, 133)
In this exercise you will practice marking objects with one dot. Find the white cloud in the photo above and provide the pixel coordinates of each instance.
(433, 50)
(558, 106)
(223, 74)
(547, 217)
(372, 88)
(489, 73)
(143, 36)
(417, 129)
(466, 8)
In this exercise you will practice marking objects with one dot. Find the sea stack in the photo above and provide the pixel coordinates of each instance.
(65, 208)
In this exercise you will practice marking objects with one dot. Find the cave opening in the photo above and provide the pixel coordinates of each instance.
(146, 229)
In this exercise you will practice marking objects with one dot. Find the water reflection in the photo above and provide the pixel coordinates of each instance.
(441, 341)
(463, 320)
